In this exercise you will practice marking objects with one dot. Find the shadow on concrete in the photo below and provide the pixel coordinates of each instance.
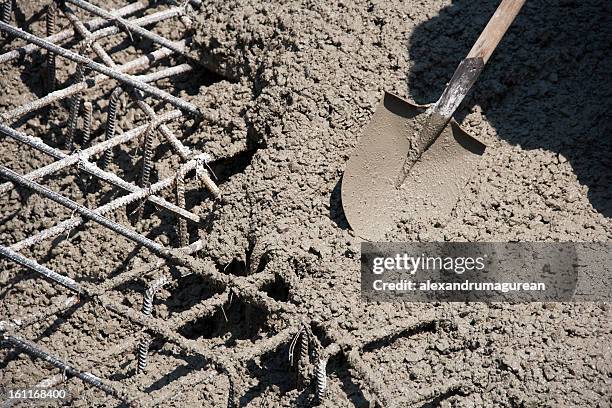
(548, 84)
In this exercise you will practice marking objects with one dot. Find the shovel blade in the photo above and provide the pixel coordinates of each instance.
(371, 201)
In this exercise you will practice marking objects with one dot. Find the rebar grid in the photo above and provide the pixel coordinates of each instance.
(88, 34)
(107, 24)
(132, 79)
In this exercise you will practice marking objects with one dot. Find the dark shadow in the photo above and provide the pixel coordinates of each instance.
(33, 77)
(277, 289)
(270, 371)
(399, 107)
(241, 320)
(191, 290)
(191, 82)
(129, 171)
(20, 20)
(427, 326)
(23, 22)
(126, 373)
(225, 168)
(437, 401)
(547, 86)
(60, 318)
(467, 141)
(336, 212)
(176, 374)
(23, 275)
(9, 217)
(338, 365)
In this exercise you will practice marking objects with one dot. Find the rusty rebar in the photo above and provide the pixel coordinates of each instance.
(6, 14)
(113, 73)
(129, 27)
(65, 35)
(51, 24)
(83, 211)
(87, 119)
(180, 201)
(111, 120)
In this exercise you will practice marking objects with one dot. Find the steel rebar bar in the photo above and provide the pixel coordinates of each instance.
(147, 157)
(106, 208)
(103, 69)
(159, 327)
(141, 62)
(129, 27)
(165, 73)
(84, 211)
(111, 120)
(183, 151)
(35, 351)
(64, 281)
(147, 309)
(6, 14)
(75, 106)
(51, 23)
(87, 36)
(143, 352)
(87, 119)
(176, 144)
(142, 21)
(180, 201)
(321, 373)
(304, 357)
(92, 25)
(81, 158)
(47, 312)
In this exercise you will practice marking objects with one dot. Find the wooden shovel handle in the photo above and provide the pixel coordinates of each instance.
(495, 29)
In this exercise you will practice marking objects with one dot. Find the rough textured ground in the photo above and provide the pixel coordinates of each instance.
(302, 79)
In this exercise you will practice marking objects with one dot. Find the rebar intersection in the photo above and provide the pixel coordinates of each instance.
(140, 88)
(134, 79)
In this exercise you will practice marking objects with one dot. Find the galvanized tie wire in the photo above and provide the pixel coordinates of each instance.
(84, 211)
(113, 73)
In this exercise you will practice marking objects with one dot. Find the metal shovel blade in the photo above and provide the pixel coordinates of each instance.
(371, 201)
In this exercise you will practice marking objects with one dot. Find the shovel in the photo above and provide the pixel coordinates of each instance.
(413, 161)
